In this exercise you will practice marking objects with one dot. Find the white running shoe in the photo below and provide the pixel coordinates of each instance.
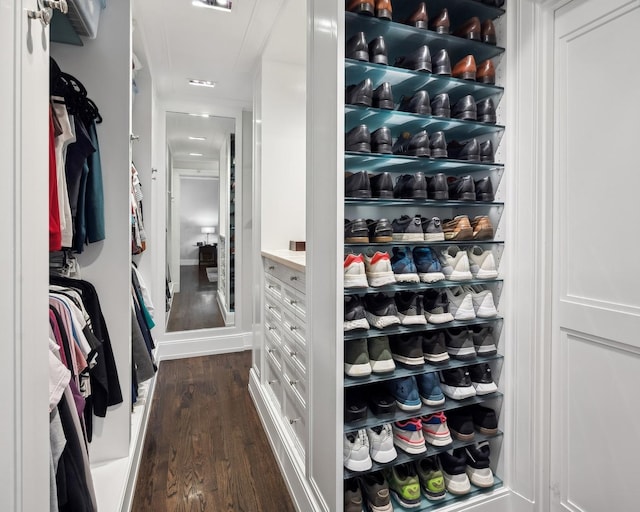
(482, 263)
(455, 264)
(354, 272)
(483, 304)
(381, 443)
(378, 269)
(355, 451)
(460, 303)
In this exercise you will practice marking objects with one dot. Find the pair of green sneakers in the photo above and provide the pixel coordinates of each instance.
(407, 480)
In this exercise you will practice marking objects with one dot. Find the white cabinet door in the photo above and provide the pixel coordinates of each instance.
(595, 416)
(24, 444)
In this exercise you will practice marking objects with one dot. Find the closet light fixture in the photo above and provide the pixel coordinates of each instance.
(200, 115)
(195, 154)
(202, 83)
(220, 5)
(197, 138)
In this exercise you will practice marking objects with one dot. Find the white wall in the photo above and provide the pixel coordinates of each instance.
(199, 205)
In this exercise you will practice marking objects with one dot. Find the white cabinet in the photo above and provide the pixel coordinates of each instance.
(285, 349)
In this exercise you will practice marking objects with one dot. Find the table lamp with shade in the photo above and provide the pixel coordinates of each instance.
(208, 230)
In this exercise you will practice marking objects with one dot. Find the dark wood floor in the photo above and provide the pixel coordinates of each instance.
(195, 305)
(205, 449)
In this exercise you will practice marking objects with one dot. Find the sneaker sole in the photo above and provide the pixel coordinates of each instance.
(357, 370)
(409, 361)
(436, 358)
(462, 437)
(462, 352)
(432, 403)
(403, 502)
(433, 497)
(440, 318)
(431, 277)
(486, 274)
(411, 449)
(457, 484)
(412, 319)
(434, 237)
(480, 477)
(385, 456)
(438, 441)
(485, 351)
(457, 393)
(356, 240)
(380, 322)
(385, 508)
(408, 408)
(358, 465)
(357, 281)
(384, 366)
(463, 234)
(407, 278)
(485, 389)
(380, 278)
(352, 325)
(459, 275)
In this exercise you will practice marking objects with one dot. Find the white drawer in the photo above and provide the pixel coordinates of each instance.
(295, 416)
(294, 353)
(294, 383)
(273, 306)
(270, 266)
(273, 286)
(273, 384)
(274, 351)
(292, 278)
(295, 327)
(273, 325)
(295, 300)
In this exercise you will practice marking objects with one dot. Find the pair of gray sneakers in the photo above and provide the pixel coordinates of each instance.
(363, 356)
(375, 489)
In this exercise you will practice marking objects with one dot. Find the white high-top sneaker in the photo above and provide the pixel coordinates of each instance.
(482, 263)
(455, 264)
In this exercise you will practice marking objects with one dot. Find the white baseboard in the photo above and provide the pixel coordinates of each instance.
(303, 496)
(205, 346)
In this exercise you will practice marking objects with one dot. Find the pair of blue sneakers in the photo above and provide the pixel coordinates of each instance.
(420, 265)
(411, 392)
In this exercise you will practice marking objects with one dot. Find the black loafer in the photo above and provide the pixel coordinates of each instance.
(437, 187)
(486, 151)
(356, 231)
(356, 48)
(380, 231)
(486, 111)
(418, 60)
(412, 145)
(469, 150)
(382, 185)
(360, 94)
(378, 51)
(381, 141)
(465, 108)
(419, 103)
(358, 139)
(484, 189)
(440, 106)
(438, 145)
(357, 184)
(462, 189)
(383, 97)
(411, 186)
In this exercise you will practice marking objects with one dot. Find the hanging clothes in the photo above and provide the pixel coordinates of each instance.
(55, 231)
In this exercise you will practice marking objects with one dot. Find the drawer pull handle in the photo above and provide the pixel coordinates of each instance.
(271, 328)
(294, 420)
(293, 353)
(293, 382)
(270, 350)
(274, 381)
(271, 307)
(271, 267)
(293, 328)
(293, 302)
(294, 278)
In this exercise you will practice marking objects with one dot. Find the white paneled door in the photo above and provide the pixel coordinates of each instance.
(595, 393)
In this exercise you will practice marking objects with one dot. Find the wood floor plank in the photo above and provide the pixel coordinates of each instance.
(205, 450)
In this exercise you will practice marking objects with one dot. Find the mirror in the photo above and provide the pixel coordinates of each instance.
(200, 250)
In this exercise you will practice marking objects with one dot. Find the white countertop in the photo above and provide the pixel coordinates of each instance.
(297, 260)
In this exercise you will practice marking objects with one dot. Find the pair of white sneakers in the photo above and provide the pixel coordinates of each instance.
(363, 447)
(361, 271)
(474, 263)
(469, 302)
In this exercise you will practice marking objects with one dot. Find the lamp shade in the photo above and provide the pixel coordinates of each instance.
(208, 230)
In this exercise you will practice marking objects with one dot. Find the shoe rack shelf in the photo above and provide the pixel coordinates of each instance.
(449, 499)
(407, 82)
(379, 419)
(404, 329)
(399, 121)
(407, 371)
(373, 162)
(419, 287)
(404, 457)
(403, 39)
(400, 40)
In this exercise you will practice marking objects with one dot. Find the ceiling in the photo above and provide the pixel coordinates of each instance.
(178, 42)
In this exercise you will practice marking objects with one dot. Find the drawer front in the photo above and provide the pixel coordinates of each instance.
(294, 383)
(273, 384)
(295, 327)
(274, 351)
(295, 417)
(270, 266)
(295, 354)
(273, 325)
(273, 286)
(273, 306)
(295, 300)
(292, 278)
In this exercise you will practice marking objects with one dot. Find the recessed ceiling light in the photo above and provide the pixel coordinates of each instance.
(200, 115)
(195, 154)
(221, 5)
(202, 83)
(197, 138)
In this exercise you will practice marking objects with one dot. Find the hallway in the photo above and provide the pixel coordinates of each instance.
(205, 449)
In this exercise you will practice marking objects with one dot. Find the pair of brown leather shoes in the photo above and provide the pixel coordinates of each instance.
(474, 30)
(380, 8)
(466, 69)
